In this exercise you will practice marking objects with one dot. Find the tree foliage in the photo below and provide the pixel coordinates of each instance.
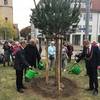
(6, 29)
(25, 31)
(56, 16)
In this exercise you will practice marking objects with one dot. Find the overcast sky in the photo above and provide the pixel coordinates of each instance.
(22, 12)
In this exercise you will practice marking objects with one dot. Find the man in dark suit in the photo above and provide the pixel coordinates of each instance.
(83, 55)
(20, 64)
(91, 54)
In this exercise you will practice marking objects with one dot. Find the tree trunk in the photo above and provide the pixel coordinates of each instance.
(58, 63)
(47, 68)
(61, 55)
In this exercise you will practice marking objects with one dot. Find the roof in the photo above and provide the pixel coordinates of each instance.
(96, 5)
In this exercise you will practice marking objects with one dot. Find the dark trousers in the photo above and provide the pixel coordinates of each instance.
(33, 63)
(69, 58)
(19, 79)
(63, 63)
(93, 81)
(86, 66)
(51, 63)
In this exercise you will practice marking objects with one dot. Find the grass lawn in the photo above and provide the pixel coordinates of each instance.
(8, 90)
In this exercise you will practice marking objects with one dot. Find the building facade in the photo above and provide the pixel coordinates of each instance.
(6, 9)
(94, 24)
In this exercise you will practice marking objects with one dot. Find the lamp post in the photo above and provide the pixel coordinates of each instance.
(34, 3)
(87, 19)
(33, 30)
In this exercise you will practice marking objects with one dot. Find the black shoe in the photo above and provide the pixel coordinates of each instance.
(20, 91)
(89, 89)
(24, 87)
(95, 92)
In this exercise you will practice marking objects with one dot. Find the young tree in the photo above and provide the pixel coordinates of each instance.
(25, 32)
(55, 18)
(7, 30)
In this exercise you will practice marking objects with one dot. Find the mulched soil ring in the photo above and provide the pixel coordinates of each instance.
(69, 87)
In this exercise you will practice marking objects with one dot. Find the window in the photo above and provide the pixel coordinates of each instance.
(89, 37)
(90, 17)
(99, 38)
(76, 39)
(84, 28)
(68, 38)
(5, 2)
(79, 28)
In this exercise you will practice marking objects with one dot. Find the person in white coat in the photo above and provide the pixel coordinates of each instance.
(51, 54)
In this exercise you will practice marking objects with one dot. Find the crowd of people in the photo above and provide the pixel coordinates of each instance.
(67, 52)
(23, 55)
(91, 55)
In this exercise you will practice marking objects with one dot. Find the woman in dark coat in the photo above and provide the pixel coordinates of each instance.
(32, 53)
(69, 51)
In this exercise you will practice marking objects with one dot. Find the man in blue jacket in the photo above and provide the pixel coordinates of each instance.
(51, 54)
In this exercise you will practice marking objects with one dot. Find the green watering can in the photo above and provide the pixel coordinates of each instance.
(31, 74)
(41, 65)
(75, 69)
